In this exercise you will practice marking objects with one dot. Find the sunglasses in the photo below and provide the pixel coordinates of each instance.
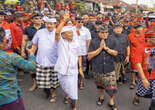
(153, 37)
(140, 21)
(80, 21)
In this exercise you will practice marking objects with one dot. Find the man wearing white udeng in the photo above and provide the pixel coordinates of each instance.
(46, 46)
(67, 63)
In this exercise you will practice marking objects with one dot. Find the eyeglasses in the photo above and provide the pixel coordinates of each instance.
(37, 18)
(85, 18)
(105, 32)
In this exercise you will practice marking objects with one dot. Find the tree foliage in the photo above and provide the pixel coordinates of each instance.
(79, 6)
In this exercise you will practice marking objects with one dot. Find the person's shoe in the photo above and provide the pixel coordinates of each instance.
(34, 87)
(66, 100)
(136, 101)
(124, 80)
(100, 101)
(113, 107)
(132, 86)
(81, 86)
(53, 99)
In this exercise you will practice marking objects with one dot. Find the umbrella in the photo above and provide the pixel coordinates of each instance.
(11, 2)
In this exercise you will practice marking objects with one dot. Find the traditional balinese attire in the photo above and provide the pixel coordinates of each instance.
(46, 59)
(67, 65)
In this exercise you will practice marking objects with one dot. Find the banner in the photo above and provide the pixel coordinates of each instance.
(11, 2)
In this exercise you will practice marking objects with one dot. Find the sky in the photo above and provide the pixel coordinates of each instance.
(149, 3)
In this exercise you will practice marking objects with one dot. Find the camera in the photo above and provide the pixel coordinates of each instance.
(29, 44)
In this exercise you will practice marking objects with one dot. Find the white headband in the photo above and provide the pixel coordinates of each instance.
(46, 9)
(50, 20)
(66, 28)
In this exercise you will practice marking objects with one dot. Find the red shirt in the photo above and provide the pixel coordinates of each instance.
(19, 8)
(147, 60)
(137, 43)
(17, 33)
(6, 27)
(131, 23)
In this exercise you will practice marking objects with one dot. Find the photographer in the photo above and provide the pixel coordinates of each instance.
(28, 35)
(10, 93)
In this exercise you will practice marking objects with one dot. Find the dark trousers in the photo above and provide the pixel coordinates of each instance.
(152, 106)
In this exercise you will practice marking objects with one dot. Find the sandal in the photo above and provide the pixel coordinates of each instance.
(66, 100)
(32, 88)
(100, 101)
(120, 83)
(81, 86)
(113, 107)
(135, 101)
(53, 99)
(132, 86)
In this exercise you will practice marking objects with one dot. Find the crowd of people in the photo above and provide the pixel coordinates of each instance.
(63, 48)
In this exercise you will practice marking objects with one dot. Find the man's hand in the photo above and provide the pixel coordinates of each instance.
(30, 51)
(18, 49)
(146, 83)
(23, 54)
(102, 44)
(66, 17)
(127, 59)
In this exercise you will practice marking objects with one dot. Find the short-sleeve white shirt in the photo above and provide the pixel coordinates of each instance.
(85, 35)
(47, 47)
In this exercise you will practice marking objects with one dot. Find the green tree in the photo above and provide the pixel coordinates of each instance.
(79, 6)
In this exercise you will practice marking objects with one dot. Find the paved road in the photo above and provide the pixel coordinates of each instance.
(87, 98)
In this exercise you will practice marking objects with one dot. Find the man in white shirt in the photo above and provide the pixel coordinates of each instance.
(84, 38)
(45, 13)
(46, 46)
(67, 63)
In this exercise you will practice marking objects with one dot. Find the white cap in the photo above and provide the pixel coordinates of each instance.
(69, 22)
(66, 28)
(51, 20)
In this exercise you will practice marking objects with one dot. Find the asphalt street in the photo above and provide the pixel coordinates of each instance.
(87, 98)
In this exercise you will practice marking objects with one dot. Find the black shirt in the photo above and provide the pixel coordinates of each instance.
(127, 31)
(122, 44)
(104, 62)
(94, 34)
(31, 30)
(90, 26)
